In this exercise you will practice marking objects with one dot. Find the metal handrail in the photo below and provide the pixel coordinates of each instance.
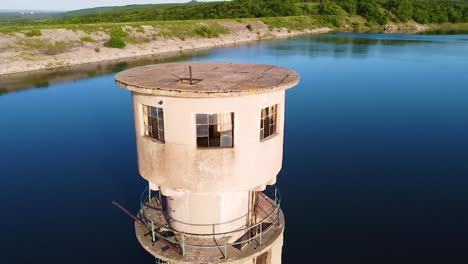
(152, 225)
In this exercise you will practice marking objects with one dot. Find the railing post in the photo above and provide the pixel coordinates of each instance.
(149, 195)
(278, 216)
(152, 231)
(276, 196)
(225, 250)
(261, 233)
(183, 245)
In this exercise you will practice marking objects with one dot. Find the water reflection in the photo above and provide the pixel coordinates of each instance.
(45, 78)
(375, 155)
(337, 45)
(356, 45)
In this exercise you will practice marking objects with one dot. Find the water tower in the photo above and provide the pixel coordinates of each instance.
(210, 144)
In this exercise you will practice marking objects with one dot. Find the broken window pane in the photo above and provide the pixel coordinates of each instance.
(215, 130)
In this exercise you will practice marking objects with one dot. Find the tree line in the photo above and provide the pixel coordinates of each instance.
(384, 11)
(375, 11)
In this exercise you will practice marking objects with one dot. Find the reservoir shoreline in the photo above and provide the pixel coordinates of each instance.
(57, 48)
(29, 58)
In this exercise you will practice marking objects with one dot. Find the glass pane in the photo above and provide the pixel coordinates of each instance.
(271, 119)
(202, 119)
(154, 122)
(154, 132)
(161, 124)
(267, 123)
(202, 131)
(272, 127)
(161, 135)
(154, 111)
(160, 112)
(226, 141)
(202, 141)
(227, 133)
(213, 119)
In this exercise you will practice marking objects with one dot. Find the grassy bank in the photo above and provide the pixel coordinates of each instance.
(43, 46)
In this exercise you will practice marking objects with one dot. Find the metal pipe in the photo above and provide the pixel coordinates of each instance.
(129, 214)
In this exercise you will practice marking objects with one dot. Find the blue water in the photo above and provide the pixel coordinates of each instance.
(375, 161)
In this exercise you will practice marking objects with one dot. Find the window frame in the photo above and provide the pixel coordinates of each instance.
(219, 123)
(148, 130)
(272, 111)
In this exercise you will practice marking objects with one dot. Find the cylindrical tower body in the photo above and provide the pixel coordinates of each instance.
(210, 140)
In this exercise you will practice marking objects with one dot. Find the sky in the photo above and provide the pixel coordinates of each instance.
(74, 4)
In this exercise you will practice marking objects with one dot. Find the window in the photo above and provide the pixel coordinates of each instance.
(268, 121)
(160, 261)
(154, 122)
(215, 130)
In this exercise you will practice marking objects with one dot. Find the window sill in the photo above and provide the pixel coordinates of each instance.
(213, 148)
(154, 140)
(269, 137)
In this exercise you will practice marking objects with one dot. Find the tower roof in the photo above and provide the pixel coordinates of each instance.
(209, 79)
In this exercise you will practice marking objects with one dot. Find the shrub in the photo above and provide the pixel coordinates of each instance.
(115, 42)
(87, 39)
(249, 27)
(34, 33)
(208, 32)
(117, 38)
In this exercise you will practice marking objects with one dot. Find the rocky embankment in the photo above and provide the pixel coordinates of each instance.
(53, 48)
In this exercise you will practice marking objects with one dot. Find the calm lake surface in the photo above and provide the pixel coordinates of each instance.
(375, 161)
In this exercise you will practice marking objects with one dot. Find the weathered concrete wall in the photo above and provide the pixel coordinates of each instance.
(178, 165)
(208, 213)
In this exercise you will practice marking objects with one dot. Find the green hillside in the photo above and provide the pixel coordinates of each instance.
(375, 11)
(7, 17)
(107, 10)
(332, 12)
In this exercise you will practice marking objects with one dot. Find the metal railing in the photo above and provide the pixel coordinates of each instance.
(257, 230)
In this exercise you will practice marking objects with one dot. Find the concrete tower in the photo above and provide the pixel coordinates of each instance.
(210, 144)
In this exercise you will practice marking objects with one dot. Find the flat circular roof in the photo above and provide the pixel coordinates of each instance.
(209, 79)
